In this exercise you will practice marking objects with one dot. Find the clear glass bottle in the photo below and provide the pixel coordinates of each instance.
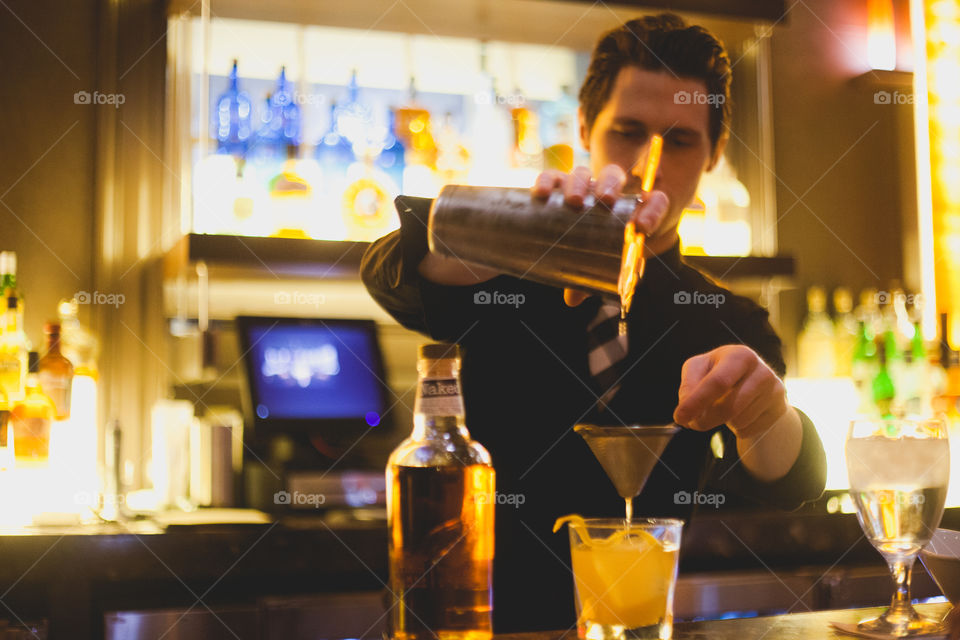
(31, 418)
(56, 372)
(815, 344)
(845, 331)
(77, 344)
(440, 507)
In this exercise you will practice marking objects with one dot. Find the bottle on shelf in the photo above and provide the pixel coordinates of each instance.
(527, 152)
(391, 159)
(863, 367)
(14, 347)
(453, 159)
(816, 351)
(845, 329)
(56, 372)
(558, 129)
(8, 270)
(77, 344)
(949, 396)
(233, 118)
(440, 510)
(31, 418)
(280, 124)
(415, 130)
(8, 280)
(882, 389)
(917, 386)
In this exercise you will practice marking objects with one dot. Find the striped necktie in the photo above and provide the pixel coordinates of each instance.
(606, 351)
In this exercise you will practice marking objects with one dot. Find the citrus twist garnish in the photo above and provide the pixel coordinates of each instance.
(577, 523)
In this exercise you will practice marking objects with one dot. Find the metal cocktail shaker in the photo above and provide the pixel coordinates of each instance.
(546, 241)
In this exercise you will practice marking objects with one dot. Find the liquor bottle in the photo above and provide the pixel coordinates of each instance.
(527, 149)
(56, 372)
(232, 117)
(391, 159)
(31, 417)
(77, 344)
(8, 280)
(864, 365)
(815, 343)
(917, 386)
(453, 159)
(280, 127)
(558, 130)
(845, 330)
(882, 387)
(440, 506)
(8, 270)
(14, 347)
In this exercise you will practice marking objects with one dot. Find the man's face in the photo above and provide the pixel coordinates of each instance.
(643, 103)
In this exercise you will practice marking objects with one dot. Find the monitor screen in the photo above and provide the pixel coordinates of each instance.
(313, 371)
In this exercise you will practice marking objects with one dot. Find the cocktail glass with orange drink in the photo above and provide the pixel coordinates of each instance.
(624, 576)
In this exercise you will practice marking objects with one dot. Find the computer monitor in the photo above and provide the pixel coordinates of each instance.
(314, 376)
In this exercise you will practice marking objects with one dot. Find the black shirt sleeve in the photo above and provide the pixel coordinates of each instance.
(805, 480)
(389, 270)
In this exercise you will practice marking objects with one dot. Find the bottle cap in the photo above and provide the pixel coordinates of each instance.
(439, 351)
(11, 300)
(51, 328)
(33, 360)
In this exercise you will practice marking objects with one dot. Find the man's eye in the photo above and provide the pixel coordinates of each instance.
(680, 142)
(631, 135)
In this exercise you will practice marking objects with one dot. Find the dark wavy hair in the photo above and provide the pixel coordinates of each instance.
(662, 42)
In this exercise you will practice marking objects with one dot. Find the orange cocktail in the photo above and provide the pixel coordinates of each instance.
(624, 577)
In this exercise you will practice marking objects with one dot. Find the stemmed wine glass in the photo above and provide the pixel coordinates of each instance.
(899, 471)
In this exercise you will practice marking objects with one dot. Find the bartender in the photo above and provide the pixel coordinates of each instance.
(531, 371)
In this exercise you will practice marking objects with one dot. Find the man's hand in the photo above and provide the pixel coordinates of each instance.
(607, 187)
(732, 385)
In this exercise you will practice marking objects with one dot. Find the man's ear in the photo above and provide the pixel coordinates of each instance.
(584, 132)
(718, 150)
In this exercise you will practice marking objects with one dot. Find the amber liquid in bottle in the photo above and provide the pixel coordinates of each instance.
(56, 372)
(30, 420)
(440, 511)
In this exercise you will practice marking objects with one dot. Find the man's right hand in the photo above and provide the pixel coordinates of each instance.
(607, 187)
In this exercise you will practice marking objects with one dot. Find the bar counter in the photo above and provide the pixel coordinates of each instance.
(793, 626)
(815, 561)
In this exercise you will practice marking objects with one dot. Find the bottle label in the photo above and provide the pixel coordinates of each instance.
(440, 397)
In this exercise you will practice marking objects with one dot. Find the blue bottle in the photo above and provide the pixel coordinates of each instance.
(392, 158)
(334, 151)
(232, 118)
(280, 128)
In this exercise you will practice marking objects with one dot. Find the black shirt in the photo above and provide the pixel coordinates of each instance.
(526, 383)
